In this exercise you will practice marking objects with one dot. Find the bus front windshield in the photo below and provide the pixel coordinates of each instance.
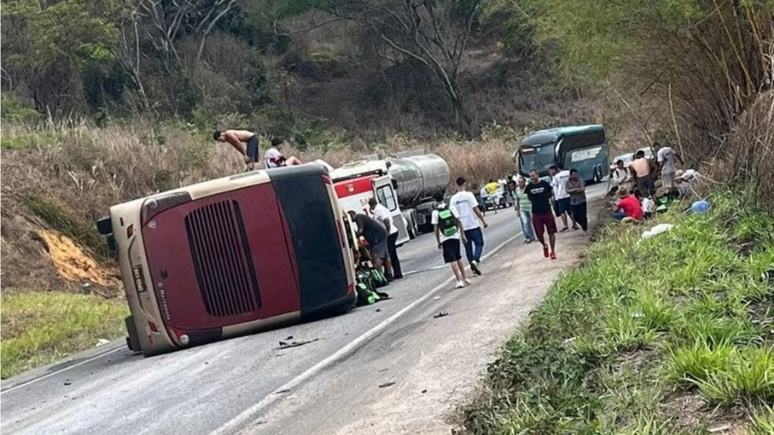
(539, 157)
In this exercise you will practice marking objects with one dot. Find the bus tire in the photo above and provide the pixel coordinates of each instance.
(596, 178)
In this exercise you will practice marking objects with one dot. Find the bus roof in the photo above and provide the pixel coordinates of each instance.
(552, 135)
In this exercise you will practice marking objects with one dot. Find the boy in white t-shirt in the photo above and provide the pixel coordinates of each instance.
(274, 157)
(448, 231)
(469, 215)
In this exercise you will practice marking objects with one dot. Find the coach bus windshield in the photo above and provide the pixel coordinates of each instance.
(539, 157)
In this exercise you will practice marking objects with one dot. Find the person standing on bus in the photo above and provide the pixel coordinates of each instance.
(561, 197)
(246, 142)
(382, 214)
(577, 190)
(470, 215)
(539, 193)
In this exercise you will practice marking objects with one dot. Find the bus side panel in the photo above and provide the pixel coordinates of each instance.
(587, 160)
(306, 207)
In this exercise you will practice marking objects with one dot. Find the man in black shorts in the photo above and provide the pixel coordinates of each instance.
(448, 231)
(539, 193)
(246, 142)
(375, 234)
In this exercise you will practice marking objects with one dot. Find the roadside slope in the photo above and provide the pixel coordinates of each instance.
(667, 335)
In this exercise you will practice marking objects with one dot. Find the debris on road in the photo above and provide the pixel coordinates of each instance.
(290, 337)
(441, 314)
(285, 345)
(387, 384)
(67, 382)
(102, 342)
(378, 310)
(424, 391)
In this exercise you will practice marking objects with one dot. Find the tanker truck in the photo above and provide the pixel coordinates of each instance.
(404, 183)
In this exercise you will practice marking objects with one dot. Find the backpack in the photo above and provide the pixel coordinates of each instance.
(446, 222)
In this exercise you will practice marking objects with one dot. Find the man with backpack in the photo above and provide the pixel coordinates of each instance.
(448, 232)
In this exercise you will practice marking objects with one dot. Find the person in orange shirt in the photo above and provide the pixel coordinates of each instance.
(643, 174)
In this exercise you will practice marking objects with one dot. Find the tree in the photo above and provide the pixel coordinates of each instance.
(431, 32)
(53, 49)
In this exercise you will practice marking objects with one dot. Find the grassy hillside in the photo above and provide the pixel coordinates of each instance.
(668, 335)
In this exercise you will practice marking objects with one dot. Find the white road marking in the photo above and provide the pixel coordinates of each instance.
(251, 412)
(62, 370)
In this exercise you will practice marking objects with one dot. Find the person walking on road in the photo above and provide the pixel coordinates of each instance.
(524, 209)
(448, 231)
(539, 194)
(577, 190)
(470, 215)
(246, 142)
(382, 214)
(561, 197)
(375, 234)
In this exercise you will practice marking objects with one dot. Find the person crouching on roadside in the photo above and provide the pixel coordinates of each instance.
(628, 208)
(448, 233)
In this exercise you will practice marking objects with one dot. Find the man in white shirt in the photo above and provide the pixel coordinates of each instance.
(274, 157)
(448, 230)
(666, 160)
(469, 215)
(561, 197)
(381, 213)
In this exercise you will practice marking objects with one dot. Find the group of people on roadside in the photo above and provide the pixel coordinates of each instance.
(637, 195)
(381, 234)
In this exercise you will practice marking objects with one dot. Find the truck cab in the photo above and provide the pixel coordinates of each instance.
(357, 182)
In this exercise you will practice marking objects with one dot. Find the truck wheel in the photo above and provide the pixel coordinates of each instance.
(132, 339)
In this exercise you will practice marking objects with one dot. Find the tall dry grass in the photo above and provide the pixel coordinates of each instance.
(76, 172)
(749, 156)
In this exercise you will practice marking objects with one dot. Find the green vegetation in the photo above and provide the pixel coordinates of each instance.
(686, 313)
(41, 327)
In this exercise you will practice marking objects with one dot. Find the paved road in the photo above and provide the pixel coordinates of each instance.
(222, 387)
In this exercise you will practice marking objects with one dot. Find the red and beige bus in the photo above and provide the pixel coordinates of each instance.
(231, 256)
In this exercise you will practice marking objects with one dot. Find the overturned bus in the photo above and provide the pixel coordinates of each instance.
(231, 256)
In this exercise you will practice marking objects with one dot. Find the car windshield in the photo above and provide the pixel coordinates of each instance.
(625, 157)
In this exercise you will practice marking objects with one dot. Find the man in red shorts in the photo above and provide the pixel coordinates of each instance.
(539, 193)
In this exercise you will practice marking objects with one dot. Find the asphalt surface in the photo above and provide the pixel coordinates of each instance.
(225, 387)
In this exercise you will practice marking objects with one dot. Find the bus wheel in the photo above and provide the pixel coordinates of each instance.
(597, 178)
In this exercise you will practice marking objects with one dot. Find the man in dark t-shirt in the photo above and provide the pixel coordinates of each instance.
(375, 234)
(539, 193)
